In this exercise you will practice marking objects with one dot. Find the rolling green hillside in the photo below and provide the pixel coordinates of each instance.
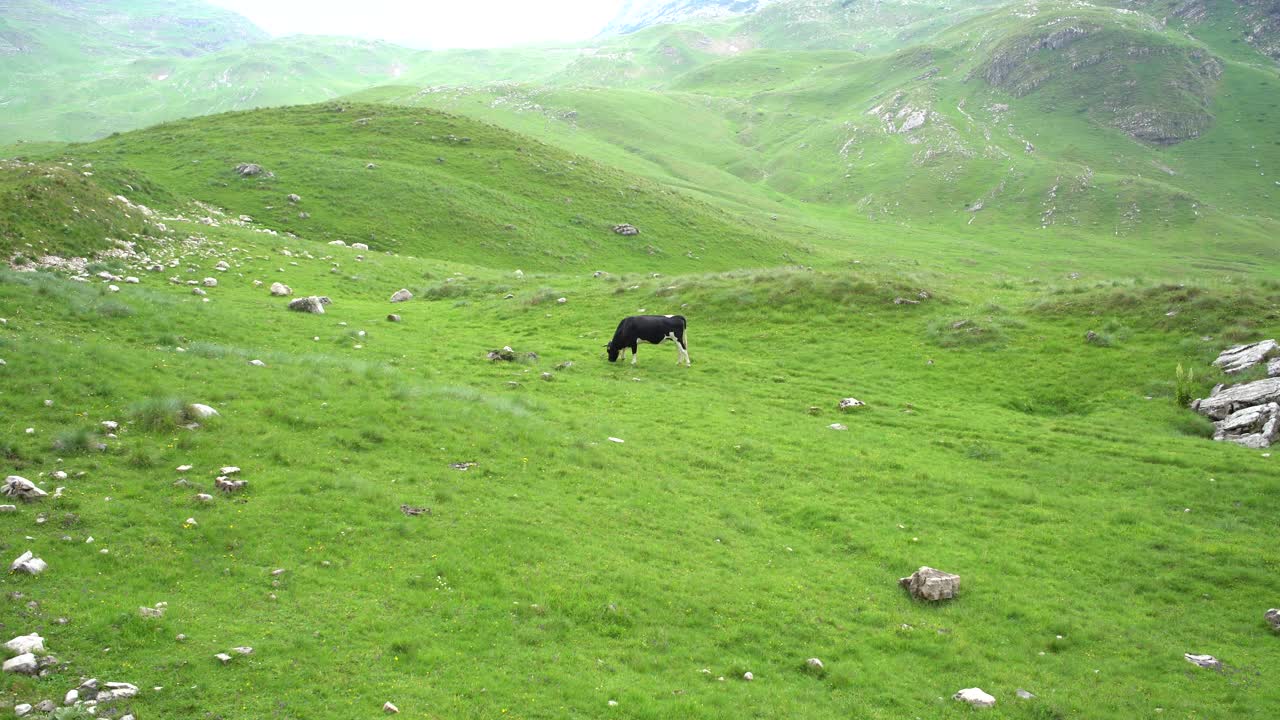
(423, 183)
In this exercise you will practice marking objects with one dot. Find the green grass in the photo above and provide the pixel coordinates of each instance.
(731, 531)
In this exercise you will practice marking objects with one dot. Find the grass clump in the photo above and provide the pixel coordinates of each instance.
(78, 440)
(966, 333)
(159, 414)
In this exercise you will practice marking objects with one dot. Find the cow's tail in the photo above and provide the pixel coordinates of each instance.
(684, 333)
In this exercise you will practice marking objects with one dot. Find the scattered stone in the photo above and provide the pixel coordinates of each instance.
(181, 637)
(184, 468)
(28, 563)
(359, 246)
(198, 291)
(616, 440)
(22, 709)
(848, 404)
(71, 697)
(625, 229)
(393, 318)
(24, 664)
(24, 644)
(975, 697)
(505, 354)
(46, 706)
(204, 497)
(229, 470)
(119, 691)
(8, 508)
(548, 376)
(113, 288)
(20, 487)
(280, 289)
(930, 584)
(248, 169)
(293, 198)
(562, 301)
(210, 282)
(223, 658)
(462, 465)
(1025, 695)
(1272, 617)
(1242, 357)
(110, 425)
(257, 363)
(814, 665)
(311, 304)
(58, 475)
(838, 426)
(748, 676)
(1204, 661)
(390, 709)
(401, 295)
(243, 650)
(412, 511)
(201, 412)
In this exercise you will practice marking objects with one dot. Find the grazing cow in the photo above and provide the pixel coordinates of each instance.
(650, 328)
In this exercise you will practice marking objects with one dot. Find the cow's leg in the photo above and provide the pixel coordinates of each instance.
(633, 353)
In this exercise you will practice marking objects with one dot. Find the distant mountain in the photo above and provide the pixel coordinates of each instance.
(639, 14)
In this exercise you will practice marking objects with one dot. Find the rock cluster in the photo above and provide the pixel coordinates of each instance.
(626, 229)
(930, 584)
(1247, 414)
(28, 563)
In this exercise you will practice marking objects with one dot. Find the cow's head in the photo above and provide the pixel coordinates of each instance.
(613, 352)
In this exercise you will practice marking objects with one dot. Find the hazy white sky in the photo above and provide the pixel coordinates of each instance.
(433, 23)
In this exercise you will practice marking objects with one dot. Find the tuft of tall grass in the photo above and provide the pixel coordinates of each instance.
(77, 440)
(159, 414)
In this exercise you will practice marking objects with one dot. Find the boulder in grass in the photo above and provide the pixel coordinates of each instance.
(1253, 427)
(280, 289)
(1272, 617)
(976, 697)
(401, 295)
(1208, 662)
(626, 229)
(24, 664)
(311, 304)
(1224, 401)
(848, 404)
(201, 412)
(20, 487)
(248, 169)
(24, 644)
(930, 584)
(393, 318)
(28, 563)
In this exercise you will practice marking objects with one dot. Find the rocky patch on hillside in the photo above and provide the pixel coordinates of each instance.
(1248, 413)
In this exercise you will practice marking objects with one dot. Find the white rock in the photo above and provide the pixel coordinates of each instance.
(975, 697)
(131, 280)
(243, 650)
(22, 709)
(1204, 661)
(71, 697)
(616, 440)
(120, 690)
(848, 404)
(111, 425)
(280, 289)
(113, 288)
(359, 246)
(202, 411)
(223, 658)
(24, 664)
(58, 475)
(1242, 357)
(814, 664)
(184, 468)
(8, 508)
(204, 497)
(390, 709)
(229, 470)
(401, 295)
(562, 301)
(211, 282)
(748, 676)
(23, 644)
(20, 487)
(838, 426)
(257, 363)
(28, 563)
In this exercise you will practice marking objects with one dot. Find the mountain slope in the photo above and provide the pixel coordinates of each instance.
(423, 183)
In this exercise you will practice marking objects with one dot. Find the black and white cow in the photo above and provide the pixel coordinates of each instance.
(650, 328)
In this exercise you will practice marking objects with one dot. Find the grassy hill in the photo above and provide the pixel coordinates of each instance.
(1099, 533)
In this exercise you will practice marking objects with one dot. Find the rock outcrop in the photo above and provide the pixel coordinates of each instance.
(1242, 357)
(20, 487)
(1224, 401)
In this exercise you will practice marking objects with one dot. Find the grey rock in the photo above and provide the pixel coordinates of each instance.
(838, 426)
(223, 658)
(1253, 427)
(203, 412)
(46, 706)
(155, 612)
(814, 665)
(228, 485)
(293, 198)
(1273, 368)
(121, 690)
(24, 664)
(8, 508)
(1026, 695)
(930, 584)
(310, 304)
(22, 709)
(401, 295)
(1224, 401)
(20, 487)
(198, 291)
(359, 246)
(625, 229)
(393, 318)
(1272, 617)
(210, 282)
(280, 289)
(71, 697)
(248, 169)
(1242, 357)
(257, 363)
